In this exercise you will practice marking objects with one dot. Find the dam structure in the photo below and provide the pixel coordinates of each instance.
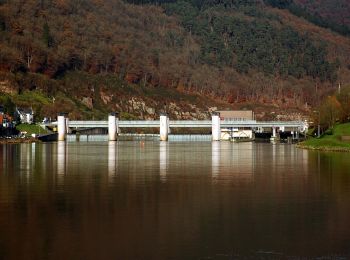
(217, 125)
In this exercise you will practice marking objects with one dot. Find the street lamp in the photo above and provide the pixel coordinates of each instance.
(318, 126)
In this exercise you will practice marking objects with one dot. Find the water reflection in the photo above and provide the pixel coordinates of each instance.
(61, 158)
(232, 162)
(163, 160)
(2, 157)
(215, 159)
(166, 204)
(25, 159)
(112, 159)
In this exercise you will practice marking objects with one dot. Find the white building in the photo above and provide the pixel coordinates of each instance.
(25, 115)
(236, 133)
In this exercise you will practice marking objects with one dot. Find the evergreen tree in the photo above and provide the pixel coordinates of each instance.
(47, 37)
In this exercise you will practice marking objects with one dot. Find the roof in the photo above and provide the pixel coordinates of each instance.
(237, 114)
(24, 110)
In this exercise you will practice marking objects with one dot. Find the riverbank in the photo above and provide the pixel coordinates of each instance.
(18, 140)
(338, 140)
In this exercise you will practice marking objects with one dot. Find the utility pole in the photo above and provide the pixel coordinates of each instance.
(318, 124)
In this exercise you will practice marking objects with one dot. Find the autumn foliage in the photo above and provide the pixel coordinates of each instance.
(235, 51)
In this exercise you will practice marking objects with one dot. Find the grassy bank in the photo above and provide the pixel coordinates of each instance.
(31, 129)
(330, 142)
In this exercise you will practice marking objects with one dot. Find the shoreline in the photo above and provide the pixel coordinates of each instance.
(334, 141)
(18, 140)
(324, 148)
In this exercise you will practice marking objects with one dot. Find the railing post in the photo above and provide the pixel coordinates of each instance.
(62, 126)
(112, 126)
(164, 127)
(216, 126)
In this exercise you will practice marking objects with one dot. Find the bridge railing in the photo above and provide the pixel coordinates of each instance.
(185, 123)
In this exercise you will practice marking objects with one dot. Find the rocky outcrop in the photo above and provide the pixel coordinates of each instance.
(87, 101)
(5, 87)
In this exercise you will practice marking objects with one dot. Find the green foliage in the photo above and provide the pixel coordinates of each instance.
(302, 11)
(80, 49)
(47, 37)
(224, 40)
(329, 131)
(344, 99)
(279, 3)
(32, 97)
(342, 129)
(243, 44)
(127, 116)
(331, 141)
(9, 105)
(31, 129)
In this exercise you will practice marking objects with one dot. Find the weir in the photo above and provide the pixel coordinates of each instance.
(218, 126)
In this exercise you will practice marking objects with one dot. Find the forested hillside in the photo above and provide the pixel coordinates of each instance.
(332, 14)
(337, 11)
(88, 57)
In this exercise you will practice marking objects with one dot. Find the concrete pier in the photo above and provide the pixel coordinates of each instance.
(67, 125)
(216, 126)
(164, 127)
(274, 134)
(112, 126)
(62, 127)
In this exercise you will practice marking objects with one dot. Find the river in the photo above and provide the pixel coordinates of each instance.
(175, 200)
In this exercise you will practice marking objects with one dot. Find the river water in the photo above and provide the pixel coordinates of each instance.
(175, 200)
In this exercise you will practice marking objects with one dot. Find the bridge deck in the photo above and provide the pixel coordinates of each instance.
(185, 124)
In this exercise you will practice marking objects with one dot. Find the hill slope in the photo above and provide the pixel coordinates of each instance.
(337, 11)
(88, 57)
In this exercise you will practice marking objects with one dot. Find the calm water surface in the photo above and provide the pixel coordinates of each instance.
(176, 200)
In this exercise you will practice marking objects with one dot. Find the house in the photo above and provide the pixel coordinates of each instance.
(239, 132)
(236, 115)
(25, 115)
(5, 119)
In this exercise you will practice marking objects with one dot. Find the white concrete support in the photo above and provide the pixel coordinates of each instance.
(274, 132)
(67, 125)
(282, 128)
(164, 127)
(112, 127)
(216, 127)
(61, 127)
(117, 124)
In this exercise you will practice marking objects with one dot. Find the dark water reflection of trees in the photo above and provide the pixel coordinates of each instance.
(136, 200)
